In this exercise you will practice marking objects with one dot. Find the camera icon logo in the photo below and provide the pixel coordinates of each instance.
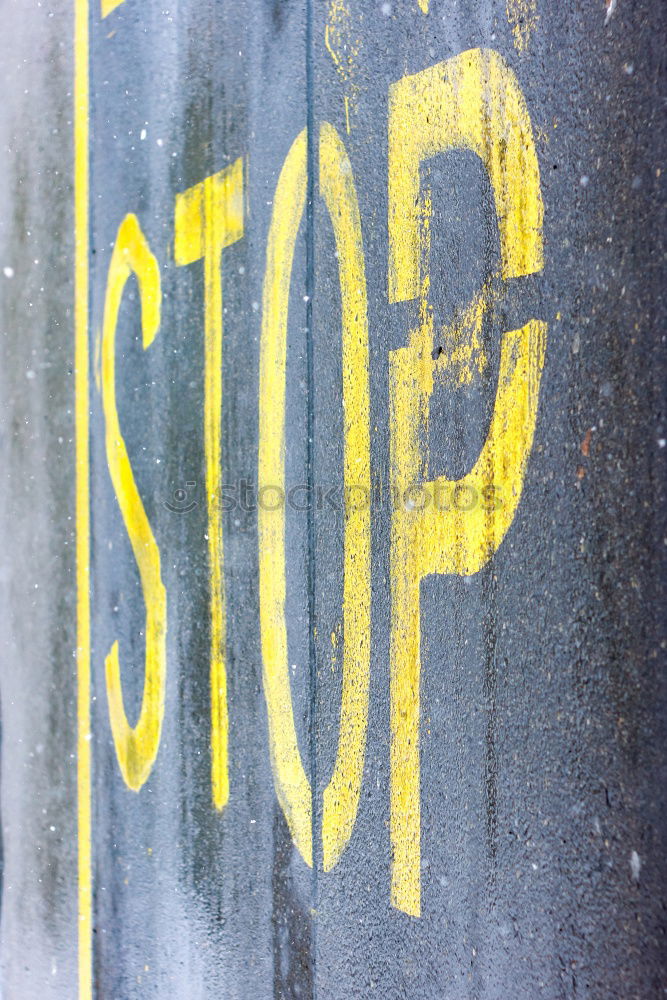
(181, 502)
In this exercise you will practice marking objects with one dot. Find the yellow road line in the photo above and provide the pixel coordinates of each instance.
(81, 361)
(107, 6)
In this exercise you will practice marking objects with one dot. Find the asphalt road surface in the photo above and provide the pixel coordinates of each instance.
(332, 526)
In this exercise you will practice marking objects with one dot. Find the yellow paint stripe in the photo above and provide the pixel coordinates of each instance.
(291, 782)
(106, 6)
(81, 362)
(207, 218)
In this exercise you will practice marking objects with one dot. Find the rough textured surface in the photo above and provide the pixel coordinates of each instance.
(543, 694)
(37, 575)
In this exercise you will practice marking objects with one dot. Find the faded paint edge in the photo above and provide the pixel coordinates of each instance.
(82, 459)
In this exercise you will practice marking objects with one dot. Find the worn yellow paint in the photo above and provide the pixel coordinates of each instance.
(341, 796)
(344, 46)
(81, 409)
(463, 357)
(522, 16)
(472, 101)
(292, 785)
(106, 6)
(424, 5)
(136, 746)
(339, 38)
(209, 217)
(461, 354)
